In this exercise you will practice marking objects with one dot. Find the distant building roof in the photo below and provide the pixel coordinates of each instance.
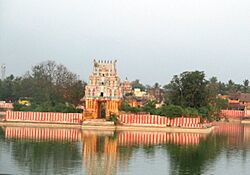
(235, 106)
(243, 97)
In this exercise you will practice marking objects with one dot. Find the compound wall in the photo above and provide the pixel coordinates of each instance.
(51, 117)
(160, 121)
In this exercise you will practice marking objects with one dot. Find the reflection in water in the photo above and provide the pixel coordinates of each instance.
(73, 151)
(102, 154)
(95, 139)
(99, 153)
(156, 138)
(237, 139)
(42, 151)
(234, 132)
(225, 139)
(39, 134)
(193, 159)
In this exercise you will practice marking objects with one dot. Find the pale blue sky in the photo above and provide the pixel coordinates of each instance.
(151, 39)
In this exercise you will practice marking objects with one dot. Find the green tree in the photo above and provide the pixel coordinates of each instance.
(222, 88)
(156, 85)
(56, 84)
(212, 88)
(150, 107)
(231, 86)
(50, 86)
(7, 88)
(246, 85)
(188, 89)
(137, 84)
(174, 91)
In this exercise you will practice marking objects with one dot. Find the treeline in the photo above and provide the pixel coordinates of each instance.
(52, 87)
(218, 87)
(190, 94)
(48, 86)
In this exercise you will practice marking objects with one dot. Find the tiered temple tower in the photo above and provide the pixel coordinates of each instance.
(103, 92)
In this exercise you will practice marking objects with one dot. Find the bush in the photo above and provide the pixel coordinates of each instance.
(20, 107)
(171, 111)
(17, 107)
(150, 107)
(48, 107)
(191, 112)
(204, 111)
(114, 119)
(127, 108)
(210, 112)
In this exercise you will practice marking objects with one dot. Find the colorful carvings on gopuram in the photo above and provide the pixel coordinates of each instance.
(103, 93)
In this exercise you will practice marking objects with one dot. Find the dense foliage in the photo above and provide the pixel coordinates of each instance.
(191, 94)
(188, 89)
(127, 108)
(195, 95)
(49, 87)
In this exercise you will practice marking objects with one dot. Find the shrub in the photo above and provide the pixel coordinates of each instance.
(114, 119)
(203, 111)
(127, 108)
(191, 112)
(171, 111)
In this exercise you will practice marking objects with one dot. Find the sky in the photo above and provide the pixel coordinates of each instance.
(151, 39)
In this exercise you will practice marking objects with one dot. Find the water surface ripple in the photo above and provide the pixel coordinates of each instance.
(71, 151)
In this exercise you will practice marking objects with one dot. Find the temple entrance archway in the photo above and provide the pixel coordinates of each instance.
(102, 110)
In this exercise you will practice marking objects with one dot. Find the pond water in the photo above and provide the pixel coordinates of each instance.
(70, 151)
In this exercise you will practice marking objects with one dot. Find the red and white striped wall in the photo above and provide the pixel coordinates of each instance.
(124, 138)
(155, 138)
(42, 134)
(150, 120)
(247, 113)
(233, 113)
(160, 121)
(186, 122)
(51, 117)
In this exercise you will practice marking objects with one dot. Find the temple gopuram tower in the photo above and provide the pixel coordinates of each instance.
(103, 92)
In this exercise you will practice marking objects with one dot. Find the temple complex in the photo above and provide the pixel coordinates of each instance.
(127, 87)
(103, 92)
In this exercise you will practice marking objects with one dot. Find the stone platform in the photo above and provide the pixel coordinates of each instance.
(98, 122)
